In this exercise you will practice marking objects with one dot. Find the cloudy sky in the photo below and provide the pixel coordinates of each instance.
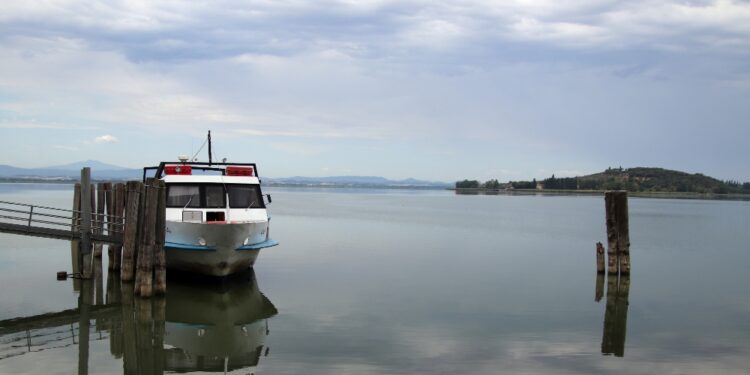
(425, 89)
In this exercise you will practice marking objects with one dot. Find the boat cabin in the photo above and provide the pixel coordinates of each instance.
(215, 193)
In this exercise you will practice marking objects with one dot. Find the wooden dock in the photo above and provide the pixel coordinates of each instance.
(58, 234)
(130, 219)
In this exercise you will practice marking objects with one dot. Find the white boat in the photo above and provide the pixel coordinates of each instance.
(216, 218)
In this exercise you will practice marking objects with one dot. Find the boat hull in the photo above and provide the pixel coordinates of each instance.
(217, 249)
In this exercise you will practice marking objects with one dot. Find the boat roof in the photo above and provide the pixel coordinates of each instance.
(171, 178)
(207, 169)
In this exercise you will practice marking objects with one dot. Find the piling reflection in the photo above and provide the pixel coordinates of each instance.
(599, 287)
(615, 315)
(195, 327)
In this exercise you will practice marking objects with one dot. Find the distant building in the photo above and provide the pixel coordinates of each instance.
(540, 185)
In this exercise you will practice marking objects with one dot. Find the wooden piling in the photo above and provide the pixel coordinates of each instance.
(600, 268)
(111, 225)
(76, 220)
(108, 212)
(131, 230)
(145, 276)
(101, 199)
(85, 227)
(139, 236)
(618, 236)
(119, 211)
(160, 270)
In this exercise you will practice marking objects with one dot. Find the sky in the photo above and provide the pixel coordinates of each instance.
(433, 90)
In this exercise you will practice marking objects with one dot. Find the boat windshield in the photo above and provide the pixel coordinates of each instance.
(187, 195)
(244, 196)
(183, 196)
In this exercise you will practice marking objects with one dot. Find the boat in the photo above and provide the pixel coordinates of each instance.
(216, 217)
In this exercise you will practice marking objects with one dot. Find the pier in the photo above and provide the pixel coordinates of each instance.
(129, 218)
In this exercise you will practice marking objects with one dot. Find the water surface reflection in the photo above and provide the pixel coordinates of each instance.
(615, 314)
(195, 327)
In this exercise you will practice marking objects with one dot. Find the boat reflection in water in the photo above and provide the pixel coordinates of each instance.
(215, 328)
(195, 327)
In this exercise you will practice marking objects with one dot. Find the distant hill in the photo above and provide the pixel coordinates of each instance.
(639, 179)
(93, 164)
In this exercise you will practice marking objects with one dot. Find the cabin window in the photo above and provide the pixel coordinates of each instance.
(196, 196)
(245, 196)
(214, 196)
(183, 196)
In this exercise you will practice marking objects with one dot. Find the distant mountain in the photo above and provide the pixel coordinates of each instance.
(103, 171)
(99, 171)
(93, 164)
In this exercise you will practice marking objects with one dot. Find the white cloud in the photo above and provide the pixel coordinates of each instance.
(106, 139)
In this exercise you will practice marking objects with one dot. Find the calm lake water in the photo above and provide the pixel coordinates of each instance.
(406, 282)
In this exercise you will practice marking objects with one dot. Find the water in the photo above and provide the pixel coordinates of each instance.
(398, 281)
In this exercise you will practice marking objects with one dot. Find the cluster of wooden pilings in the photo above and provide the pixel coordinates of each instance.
(133, 214)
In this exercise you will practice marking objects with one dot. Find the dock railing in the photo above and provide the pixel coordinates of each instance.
(36, 217)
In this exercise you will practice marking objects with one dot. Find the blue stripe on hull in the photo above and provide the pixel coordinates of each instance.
(258, 246)
(182, 246)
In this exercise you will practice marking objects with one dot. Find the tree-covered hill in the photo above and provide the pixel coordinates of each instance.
(658, 180)
(638, 179)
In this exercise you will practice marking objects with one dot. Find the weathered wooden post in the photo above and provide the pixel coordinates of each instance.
(108, 202)
(131, 230)
(101, 199)
(119, 211)
(139, 236)
(618, 236)
(76, 207)
(145, 276)
(160, 271)
(85, 221)
(600, 268)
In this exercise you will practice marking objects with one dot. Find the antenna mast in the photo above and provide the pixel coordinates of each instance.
(209, 147)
